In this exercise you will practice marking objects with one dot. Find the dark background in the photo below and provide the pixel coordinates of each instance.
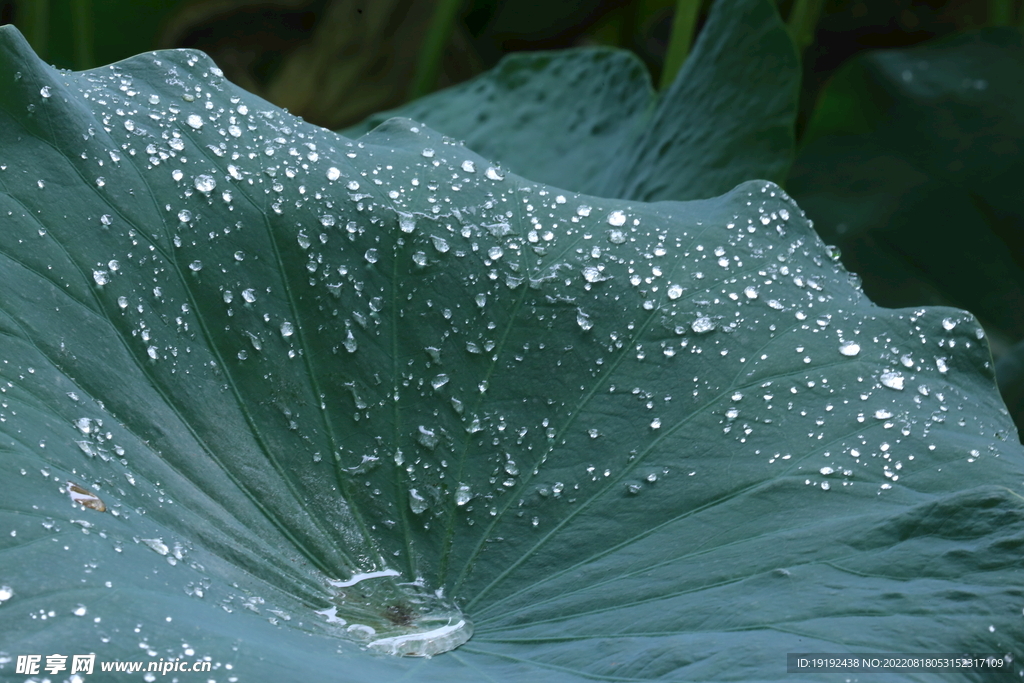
(287, 50)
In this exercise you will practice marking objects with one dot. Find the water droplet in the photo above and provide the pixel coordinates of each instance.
(583, 320)
(327, 220)
(495, 253)
(882, 414)
(184, 215)
(616, 218)
(428, 438)
(195, 121)
(582, 210)
(249, 295)
(463, 494)
(371, 256)
(750, 292)
(101, 277)
(849, 348)
(468, 166)
(948, 324)
(349, 342)
(333, 173)
(616, 236)
(428, 153)
(287, 329)
(157, 545)
(702, 324)
(675, 291)
(656, 423)
(439, 381)
(205, 183)
(195, 266)
(593, 274)
(941, 365)
(892, 379)
(45, 91)
(153, 352)
(440, 244)
(407, 222)
(494, 174)
(6, 593)
(417, 503)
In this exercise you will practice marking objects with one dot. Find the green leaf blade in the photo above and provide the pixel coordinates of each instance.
(617, 416)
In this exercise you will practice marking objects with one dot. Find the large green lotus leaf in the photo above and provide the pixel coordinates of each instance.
(913, 166)
(588, 119)
(628, 441)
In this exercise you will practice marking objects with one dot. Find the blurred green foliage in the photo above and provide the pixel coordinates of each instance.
(335, 62)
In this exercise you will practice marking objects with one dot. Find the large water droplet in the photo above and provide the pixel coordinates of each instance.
(205, 183)
(892, 379)
(427, 437)
(439, 243)
(583, 320)
(702, 324)
(407, 222)
(195, 121)
(417, 503)
(349, 342)
(849, 348)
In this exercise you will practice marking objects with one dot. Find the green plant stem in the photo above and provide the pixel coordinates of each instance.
(33, 18)
(803, 21)
(432, 51)
(684, 25)
(82, 24)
